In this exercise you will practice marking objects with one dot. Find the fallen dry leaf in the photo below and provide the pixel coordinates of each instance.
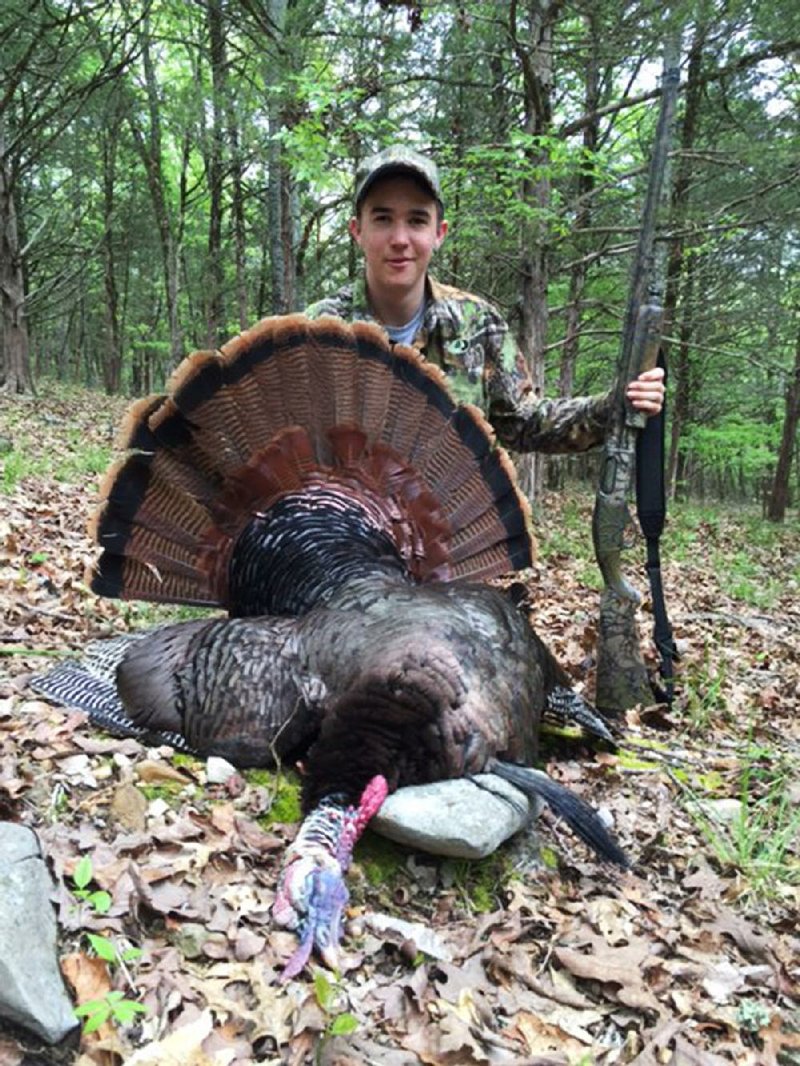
(129, 807)
(154, 773)
(184, 1047)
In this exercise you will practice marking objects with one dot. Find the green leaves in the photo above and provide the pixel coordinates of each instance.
(328, 994)
(100, 901)
(114, 1007)
(343, 1025)
(107, 950)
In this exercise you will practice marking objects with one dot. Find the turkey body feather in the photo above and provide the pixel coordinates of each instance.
(255, 690)
(326, 491)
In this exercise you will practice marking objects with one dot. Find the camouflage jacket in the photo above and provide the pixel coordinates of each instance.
(469, 339)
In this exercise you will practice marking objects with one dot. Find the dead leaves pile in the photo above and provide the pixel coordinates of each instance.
(677, 963)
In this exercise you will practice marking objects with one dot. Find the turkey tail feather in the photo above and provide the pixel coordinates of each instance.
(322, 411)
(90, 684)
(575, 812)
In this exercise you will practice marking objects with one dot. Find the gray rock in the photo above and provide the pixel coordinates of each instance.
(467, 818)
(218, 770)
(725, 811)
(32, 992)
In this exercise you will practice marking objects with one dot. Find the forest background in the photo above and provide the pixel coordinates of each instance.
(171, 172)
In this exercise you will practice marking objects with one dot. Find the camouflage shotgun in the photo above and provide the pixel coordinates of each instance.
(622, 679)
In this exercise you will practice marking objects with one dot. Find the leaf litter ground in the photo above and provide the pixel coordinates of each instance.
(692, 958)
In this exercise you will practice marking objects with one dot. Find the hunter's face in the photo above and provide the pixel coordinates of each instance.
(398, 230)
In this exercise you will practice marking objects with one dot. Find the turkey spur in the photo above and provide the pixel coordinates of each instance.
(326, 491)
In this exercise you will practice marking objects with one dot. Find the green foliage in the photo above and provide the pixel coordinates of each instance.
(570, 535)
(108, 951)
(740, 449)
(78, 458)
(745, 579)
(191, 762)
(99, 900)
(141, 615)
(480, 883)
(114, 1007)
(703, 685)
(83, 458)
(18, 464)
(761, 840)
(168, 791)
(331, 996)
(752, 1015)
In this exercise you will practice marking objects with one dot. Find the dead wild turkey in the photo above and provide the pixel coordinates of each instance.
(324, 489)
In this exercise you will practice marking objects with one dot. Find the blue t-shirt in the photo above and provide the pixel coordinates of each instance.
(406, 334)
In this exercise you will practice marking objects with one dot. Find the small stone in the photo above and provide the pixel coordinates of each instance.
(465, 818)
(190, 939)
(78, 769)
(219, 770)
(157, 808)
(724, 811)
(606, 817)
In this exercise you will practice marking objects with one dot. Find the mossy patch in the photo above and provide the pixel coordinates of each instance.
(549, 857)
(284, 791)
(180, 759)
(381, 860)
(169, 791)
(480, 882)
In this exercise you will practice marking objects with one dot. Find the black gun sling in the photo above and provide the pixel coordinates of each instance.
(651, 506)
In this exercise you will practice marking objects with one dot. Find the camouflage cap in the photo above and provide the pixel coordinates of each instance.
(398, 160)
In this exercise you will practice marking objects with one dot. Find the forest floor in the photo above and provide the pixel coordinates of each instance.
(692, 958)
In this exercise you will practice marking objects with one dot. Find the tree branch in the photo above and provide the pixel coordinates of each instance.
(775, 51)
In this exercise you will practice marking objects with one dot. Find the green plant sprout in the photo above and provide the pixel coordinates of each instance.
(328, 995)
(99, 900)
(108, 951)
(113, 1007)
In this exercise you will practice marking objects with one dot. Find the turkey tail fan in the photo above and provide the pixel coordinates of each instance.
(307, 446)
(578, 815)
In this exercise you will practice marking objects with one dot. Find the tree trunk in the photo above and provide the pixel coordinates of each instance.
(680, 269)
(535, 58)
(276, 203)
(682, 372)
(150, 150)
(215, 275)
(15, 367)
(112, 361)
(583, 215)
(237, 212)
(779, 496)
(290, 224)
